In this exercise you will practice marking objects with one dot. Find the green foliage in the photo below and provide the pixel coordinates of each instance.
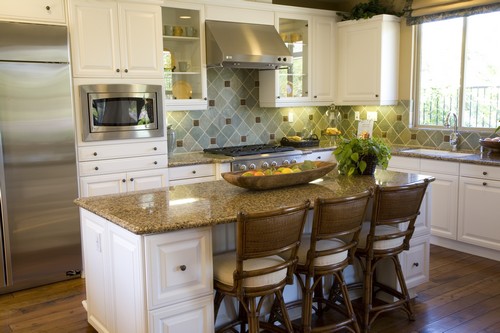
(366, 10)
(350, 153)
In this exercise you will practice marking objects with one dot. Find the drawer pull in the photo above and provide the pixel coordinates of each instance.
(154, 148)
(131, 179)
(415, 264)
(484, 173)
(318, 158)
(183, 267)
(96, 168)
(126, 70)
(124, 180)
(118, 70)
(193, 172)
(95, 153)
(485, 183)
(47, 8)
(155, 162)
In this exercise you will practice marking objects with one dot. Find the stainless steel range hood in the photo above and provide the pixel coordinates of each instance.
(244, 45)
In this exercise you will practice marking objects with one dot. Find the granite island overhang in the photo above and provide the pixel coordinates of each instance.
(217, 202)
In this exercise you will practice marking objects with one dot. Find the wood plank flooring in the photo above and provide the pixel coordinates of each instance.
(462, 296)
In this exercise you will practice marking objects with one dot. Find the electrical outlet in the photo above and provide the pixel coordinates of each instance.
(356, 115)
(371, 115)
(290, 117)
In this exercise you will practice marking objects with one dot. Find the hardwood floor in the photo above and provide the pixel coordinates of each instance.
(462, 296)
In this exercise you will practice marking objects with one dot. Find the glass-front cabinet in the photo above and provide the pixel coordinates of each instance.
(289, 85)
(184, 56)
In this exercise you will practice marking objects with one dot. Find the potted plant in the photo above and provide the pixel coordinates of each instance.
(366, 10)
(360, 156)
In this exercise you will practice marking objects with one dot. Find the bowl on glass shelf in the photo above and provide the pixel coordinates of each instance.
(492, 144)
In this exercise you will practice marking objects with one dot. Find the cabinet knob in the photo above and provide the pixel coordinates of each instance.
(376, 95)
(96, 168)
(484, 173)
(47, 8)
(154, 148)
(193, 172)
(155, 162)
(278, 97)
(131, 179)
(315, 96)
(183, 267)
(205, 98)
(318, 158)
(118, 70)
(124, 180)
(415, 264)
(126, 70)
(95, 153)
(485, 183)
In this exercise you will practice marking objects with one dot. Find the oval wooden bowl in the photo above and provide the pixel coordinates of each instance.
(492, 145)
(277, 181)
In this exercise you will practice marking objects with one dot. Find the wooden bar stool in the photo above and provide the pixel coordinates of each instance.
(395, 210)
(263, 263)
(326, 252)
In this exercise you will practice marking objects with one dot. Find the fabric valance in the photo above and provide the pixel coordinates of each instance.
(420, 11)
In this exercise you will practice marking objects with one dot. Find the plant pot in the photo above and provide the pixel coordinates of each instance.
(371, 164)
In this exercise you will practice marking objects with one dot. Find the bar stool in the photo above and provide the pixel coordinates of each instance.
(395, 210)
(263, 263)
(326, 252)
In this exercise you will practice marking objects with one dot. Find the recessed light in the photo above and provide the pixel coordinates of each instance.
(185, 17)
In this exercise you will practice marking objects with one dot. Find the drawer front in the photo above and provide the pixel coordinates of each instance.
(480, 171)
(444, 167)
(415, 262)
(122, 165)
(191, 171)
(178, 266)
(404, 163)
(94, 153)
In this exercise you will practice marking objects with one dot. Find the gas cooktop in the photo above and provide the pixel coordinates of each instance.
(248, 150)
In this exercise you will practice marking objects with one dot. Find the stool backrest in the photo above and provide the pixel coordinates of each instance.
(276, 232)
(338, 218)
(397, 206)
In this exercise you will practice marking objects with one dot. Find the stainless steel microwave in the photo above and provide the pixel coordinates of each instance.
(121, 111)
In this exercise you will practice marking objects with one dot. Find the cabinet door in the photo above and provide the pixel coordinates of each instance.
(147, 180)
(178, 266)
(47, 11)
(101, 185)
(323, 60)
(94, 36)
(415, 262)
(478, 221)
(140, 40)
(96, 270)
(444, 203)
(185, 71)
(190, 316)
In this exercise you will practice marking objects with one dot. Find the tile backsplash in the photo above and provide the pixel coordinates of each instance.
(235, 118)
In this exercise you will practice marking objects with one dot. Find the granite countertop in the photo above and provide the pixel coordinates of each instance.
(216, 202)
(473, 157)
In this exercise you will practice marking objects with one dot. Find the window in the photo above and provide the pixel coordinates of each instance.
(459, 71)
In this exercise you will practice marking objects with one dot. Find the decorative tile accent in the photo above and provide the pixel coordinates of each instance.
(227, 83)
(213, 141)
(179, 143)
(285, 118)
(196, 122)
(243, 138)
(211, 102)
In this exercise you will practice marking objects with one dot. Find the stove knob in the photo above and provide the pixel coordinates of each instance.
(265, 165)
(285, 162)
(252, 166)
(293, 161)
(243, 167)
(274, 163)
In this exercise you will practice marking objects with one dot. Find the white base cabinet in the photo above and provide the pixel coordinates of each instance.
(147, 283)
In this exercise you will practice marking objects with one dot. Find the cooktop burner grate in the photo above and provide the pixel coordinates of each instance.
(248, 150)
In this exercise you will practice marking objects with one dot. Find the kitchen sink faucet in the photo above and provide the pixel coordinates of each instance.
(454, 136)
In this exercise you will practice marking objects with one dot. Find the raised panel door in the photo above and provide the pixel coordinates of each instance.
(444, 206)
(323, 59)
(102, 185)
(147, 180)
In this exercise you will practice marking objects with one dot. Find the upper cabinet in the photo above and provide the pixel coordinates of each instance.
(310, 80)
(113, 39)
(36, 11)
(368, 61)
(184, 65)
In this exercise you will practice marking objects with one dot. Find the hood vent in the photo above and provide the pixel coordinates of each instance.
(244, 45)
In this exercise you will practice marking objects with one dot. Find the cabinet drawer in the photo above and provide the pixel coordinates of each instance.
(47, 11)
(404, 163)
(324, 156)
(415, 262)
(444, 167)
(122, 165)
(94, 153)
(480, 171)
(178, 266)
(191, 171)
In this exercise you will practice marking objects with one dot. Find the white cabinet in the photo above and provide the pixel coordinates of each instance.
(368, 60)
(479, 196)
(191, 174)
(185, 70)
(415, 262)
(310, 80)
(111, 169)
(113, 276)
(33, 11)
(147, 283)
(114, 39)
(444, 196)
(323, 156)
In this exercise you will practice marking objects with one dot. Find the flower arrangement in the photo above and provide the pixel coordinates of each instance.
(360, 155)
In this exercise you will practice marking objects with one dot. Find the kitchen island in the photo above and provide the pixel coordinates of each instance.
(148, 255)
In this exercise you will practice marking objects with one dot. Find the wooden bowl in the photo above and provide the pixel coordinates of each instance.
(277, 181)
(492, 145)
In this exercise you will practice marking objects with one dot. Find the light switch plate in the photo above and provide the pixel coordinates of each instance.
(290, 117)
(356, 115)
(371, 115)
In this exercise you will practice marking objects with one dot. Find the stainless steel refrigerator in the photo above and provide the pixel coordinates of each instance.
(40, 234)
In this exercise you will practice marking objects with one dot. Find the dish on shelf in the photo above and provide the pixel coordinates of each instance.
(289, 89)
(168, 60)
(277, 181)
(182, 90)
